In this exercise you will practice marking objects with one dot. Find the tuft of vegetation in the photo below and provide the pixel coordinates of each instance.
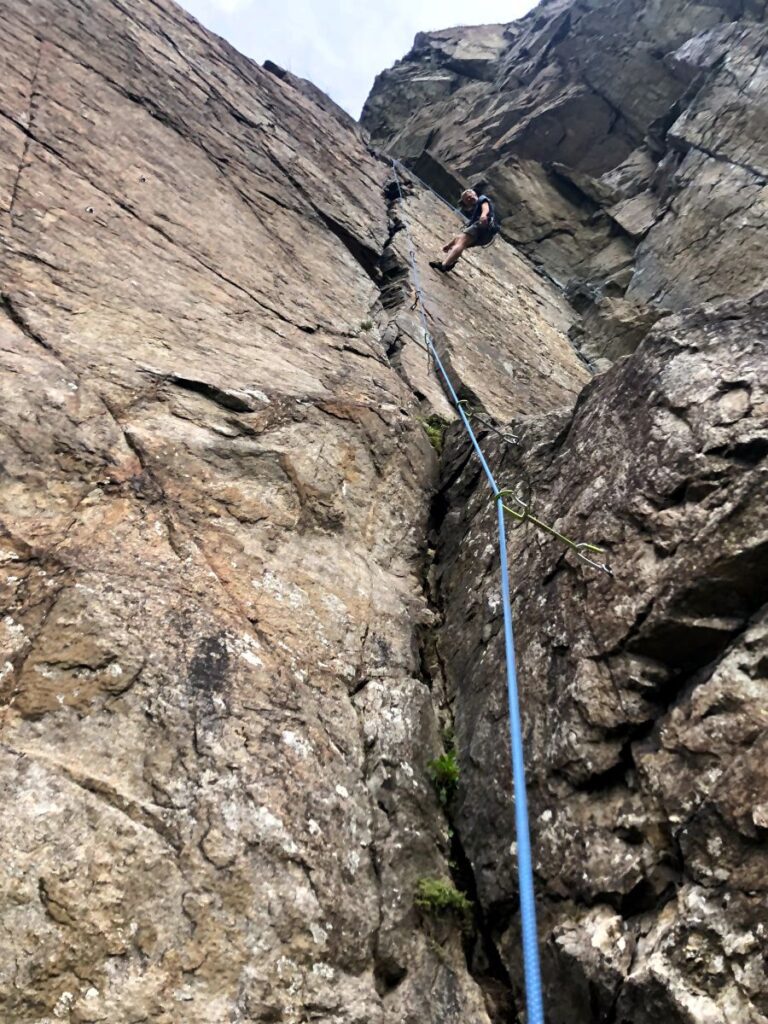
(444, 773)
(366, 325)
(435, 427)
(438, 898)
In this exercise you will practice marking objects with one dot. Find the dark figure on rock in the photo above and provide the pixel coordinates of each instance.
(480, 229)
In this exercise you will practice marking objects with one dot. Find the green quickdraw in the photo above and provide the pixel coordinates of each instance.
(524, 514)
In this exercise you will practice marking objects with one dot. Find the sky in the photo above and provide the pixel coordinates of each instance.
(340, 45)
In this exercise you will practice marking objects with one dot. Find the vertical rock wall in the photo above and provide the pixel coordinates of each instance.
(644, 695)
(215, 521)
(625, 144)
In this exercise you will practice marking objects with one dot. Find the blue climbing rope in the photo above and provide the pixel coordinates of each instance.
(534, 1001)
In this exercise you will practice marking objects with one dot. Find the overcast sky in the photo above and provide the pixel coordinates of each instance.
(340, 45)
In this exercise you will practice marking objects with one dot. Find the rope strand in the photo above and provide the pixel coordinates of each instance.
(534, 1001)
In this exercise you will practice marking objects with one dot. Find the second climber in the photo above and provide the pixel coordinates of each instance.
(479, 230)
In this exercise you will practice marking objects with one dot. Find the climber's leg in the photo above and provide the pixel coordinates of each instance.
(464, 241)
(454, 249)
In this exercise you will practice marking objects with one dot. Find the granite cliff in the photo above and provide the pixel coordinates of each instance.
(248, 598)
(625, 145)
(624, 141)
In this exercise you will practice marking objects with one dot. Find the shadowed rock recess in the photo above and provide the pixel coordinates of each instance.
(247, 568)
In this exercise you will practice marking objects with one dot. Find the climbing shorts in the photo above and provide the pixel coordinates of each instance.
(478, 233)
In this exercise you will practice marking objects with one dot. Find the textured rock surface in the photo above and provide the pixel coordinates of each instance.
(215, 515)
(625, 143)
(241, 606)
(644, 695)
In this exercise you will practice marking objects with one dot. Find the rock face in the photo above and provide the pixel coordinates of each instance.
(644, 695)
(245, 604)
(216, 499)
(625, 144)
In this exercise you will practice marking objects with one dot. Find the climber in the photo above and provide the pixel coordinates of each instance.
(480, 229)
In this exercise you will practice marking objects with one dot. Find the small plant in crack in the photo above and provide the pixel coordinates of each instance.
(366, 325)
(437, 898)
(435, 427)
(444, 773)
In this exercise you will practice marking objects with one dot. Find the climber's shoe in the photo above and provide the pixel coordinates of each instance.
(437, 265)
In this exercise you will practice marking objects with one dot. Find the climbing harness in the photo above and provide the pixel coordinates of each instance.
(532, 970)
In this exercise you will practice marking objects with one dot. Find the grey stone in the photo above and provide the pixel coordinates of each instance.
(215, 514)
(643, 695)
(608, 122)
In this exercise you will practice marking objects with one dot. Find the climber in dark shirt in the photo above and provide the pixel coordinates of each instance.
(480, 229)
